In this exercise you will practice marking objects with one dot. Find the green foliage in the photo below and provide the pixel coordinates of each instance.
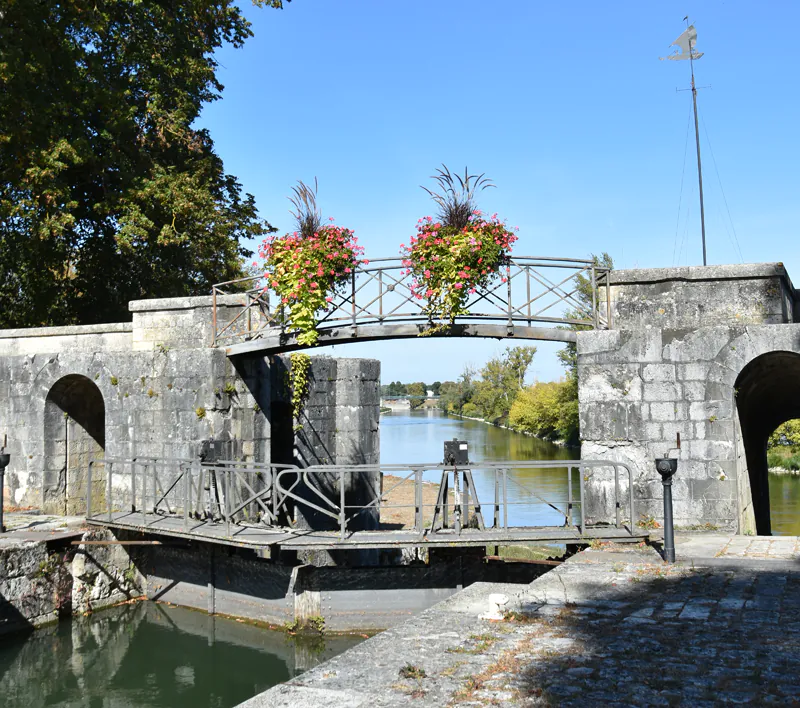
(200, 412)
(786, 457)
(299, 381)
(230, 388)
(417, 389)
(569, 354)
(108, 193)
(501, 380)
(455, 395)
(786, 434)
(548, 410)
(395, 388)
(410, 671)
(307, 267)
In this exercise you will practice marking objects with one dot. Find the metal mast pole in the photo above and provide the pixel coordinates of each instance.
(697, 141)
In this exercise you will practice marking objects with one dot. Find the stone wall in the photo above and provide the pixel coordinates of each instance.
(680, 341)
(155, 387)
(40, 582)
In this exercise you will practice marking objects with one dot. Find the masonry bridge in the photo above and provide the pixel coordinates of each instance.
(712, 353)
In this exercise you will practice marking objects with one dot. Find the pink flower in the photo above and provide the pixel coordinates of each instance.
(328, 299)
(459, 286)
(347, 270)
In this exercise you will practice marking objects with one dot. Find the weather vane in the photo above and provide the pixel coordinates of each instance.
(686, 44)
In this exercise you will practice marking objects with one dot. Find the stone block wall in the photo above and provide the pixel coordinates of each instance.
(155, 387)
(681, 338)
(40, 582)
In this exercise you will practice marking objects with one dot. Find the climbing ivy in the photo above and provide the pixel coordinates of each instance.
(299, 381)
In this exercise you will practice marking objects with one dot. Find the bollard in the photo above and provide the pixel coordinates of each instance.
(5, 458)
(666, 467)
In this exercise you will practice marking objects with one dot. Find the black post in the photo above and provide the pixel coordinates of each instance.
(5, 458)
(667, 466)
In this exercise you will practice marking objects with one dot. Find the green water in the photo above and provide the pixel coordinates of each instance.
(419, 436)
(151, 656)
(784, 504)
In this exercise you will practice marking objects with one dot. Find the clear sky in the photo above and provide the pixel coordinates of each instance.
(564, 105)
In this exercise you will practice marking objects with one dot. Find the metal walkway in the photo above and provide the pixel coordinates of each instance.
(256, 505)
(531, 298)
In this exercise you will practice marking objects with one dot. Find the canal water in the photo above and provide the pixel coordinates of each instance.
(418, 436)
(152, 656)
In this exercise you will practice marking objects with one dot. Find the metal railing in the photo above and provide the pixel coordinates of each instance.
(225, 491)
(457, 496)
(353, 498)
(527, 291)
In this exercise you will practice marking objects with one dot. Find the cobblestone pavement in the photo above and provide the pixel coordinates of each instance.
(611, 627)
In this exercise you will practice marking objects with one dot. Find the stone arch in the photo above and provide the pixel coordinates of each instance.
(74, 435)
(767, 394)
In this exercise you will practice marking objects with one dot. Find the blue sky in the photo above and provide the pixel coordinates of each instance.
(564, 105)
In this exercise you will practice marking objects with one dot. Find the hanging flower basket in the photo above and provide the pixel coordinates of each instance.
(307, 267)
(457, 253)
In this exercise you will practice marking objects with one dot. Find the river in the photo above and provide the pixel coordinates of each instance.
(418, 436)
(151, 656)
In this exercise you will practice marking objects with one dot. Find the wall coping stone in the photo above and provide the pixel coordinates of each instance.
(68, 331)
(745, 271)
(183, 303)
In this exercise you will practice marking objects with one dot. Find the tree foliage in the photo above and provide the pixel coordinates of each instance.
(107, 191)
(786, 434)
(548, 410)
(502, 378)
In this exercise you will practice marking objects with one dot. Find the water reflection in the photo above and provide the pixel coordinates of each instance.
(418, 436)
(150, 656)
(784, 504)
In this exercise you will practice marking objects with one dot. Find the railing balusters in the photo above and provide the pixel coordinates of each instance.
(368, 285)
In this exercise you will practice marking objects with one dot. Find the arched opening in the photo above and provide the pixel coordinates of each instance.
(767, 395)
(74, 435)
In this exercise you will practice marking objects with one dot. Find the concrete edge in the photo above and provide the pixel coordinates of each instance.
(184, 303)
(68, 331)
(699, 273)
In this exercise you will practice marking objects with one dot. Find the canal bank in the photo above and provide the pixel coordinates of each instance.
(610, 626)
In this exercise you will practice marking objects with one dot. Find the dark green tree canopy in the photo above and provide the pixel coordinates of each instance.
(107, 192)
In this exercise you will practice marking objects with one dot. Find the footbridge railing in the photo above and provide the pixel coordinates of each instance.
(542, 292)
(427, 500)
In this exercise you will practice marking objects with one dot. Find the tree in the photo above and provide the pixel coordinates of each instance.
(454, 396)
(436, 387)
(501, 380)
(547, 410)
(569, 354)
(107, 192)
(417, 389)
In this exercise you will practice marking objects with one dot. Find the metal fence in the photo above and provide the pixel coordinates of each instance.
(528, 291)
(225, 491)
(254, 494)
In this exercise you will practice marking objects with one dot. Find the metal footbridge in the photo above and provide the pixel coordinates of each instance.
(263, 506)
(532, 298)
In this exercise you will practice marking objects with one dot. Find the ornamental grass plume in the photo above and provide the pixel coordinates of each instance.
(457, 253)
(305, 268)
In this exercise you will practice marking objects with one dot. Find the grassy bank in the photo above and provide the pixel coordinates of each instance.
(784, 456)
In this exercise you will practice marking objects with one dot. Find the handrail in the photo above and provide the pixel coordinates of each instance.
(238, 493)
(530, 291)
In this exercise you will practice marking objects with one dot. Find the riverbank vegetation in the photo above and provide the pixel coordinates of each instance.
(783, 447)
